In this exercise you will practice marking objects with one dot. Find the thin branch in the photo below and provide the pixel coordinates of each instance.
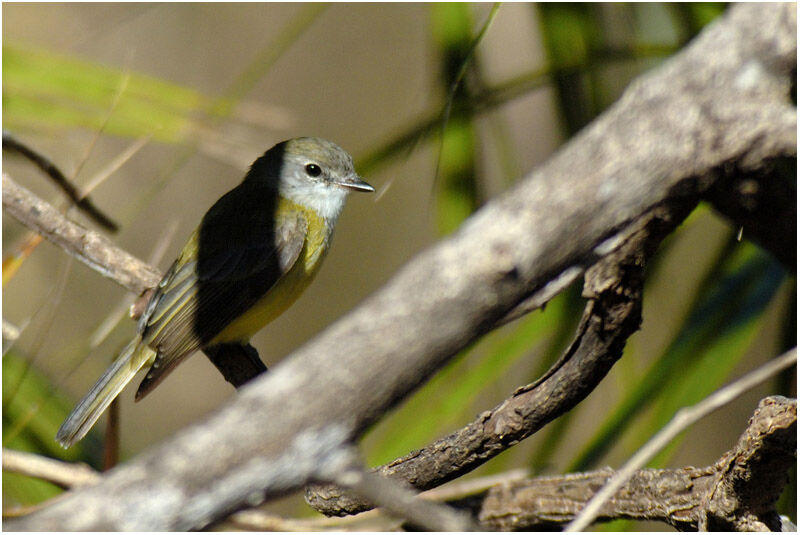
(463, 488)
(404, 502)
(82, 202)
(88, 246)
(258, 520)
(66, 475)
(683, 419)
(124, 309)
(116, 164)
(374, 520)
(123, 85)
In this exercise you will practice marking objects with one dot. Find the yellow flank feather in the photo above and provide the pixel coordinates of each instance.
(290, 286)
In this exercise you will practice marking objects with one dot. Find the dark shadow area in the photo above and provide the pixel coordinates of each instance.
(238, 262)
(240, 255)
(236, 362)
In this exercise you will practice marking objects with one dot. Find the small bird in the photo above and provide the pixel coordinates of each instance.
(253, 254)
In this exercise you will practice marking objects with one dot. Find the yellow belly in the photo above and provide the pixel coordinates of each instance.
(286, 290)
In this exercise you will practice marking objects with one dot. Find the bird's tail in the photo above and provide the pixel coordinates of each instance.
(85, 414)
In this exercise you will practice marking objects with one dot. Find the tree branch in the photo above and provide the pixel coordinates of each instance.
(613, 288)
(88, 246)
(721, 100)
(682, 419)
(82, 202)
(404, 503)
(63, 474)
(738, 492)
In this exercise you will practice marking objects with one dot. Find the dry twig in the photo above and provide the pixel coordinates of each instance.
(682, 419)
(88, 246)
(738, 492)
(67, 475)
(81, 201)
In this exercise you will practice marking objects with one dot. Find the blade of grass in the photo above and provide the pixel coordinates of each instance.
(36, 392)
(569, 33)
(687, 416)
(45, 90)
(222, 107)
(733, 344)
(454, 175)
(715, 310)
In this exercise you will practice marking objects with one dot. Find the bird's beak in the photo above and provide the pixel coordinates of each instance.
(354, 183)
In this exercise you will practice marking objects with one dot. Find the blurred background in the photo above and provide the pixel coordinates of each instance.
(160, 108)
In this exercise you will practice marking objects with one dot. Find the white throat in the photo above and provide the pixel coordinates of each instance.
(326, 200)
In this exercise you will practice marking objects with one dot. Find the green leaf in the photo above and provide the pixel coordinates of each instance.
(32, 413)
(44, 90)
(756, 282)
(457, 197)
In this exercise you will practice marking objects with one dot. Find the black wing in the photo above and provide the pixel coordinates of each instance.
(236, 255)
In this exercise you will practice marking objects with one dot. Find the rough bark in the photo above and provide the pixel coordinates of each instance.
(737, 493)
(613, 288)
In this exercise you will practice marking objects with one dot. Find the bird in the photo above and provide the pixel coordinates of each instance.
(252, 255)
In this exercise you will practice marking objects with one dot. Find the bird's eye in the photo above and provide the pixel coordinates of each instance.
(313, 169)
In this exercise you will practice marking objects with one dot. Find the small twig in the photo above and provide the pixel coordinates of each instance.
(258, 520)
(540, 298)
(83, 203)
(682, 419)
(123, 309)
(66, 475)
(468, 487)
(115, 164)
(739, 492)
(111, 437)
(43, 318)
(98, 132)
(90, 247)
(404, 502)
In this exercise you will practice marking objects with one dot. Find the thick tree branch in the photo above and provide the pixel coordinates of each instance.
(684, 418)
(613, 288)
(737, 493)
(721, 100)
